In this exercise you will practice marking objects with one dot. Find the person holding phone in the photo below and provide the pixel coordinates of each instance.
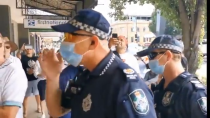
(28, 62)
(120, 43)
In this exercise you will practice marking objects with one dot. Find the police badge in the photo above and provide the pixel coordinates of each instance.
(167, 98)
(139, 101)
(203, 104)
(86, 104)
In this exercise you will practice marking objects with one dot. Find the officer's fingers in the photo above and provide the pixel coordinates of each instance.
(59, 57)
(52, 52)
(40, 58)
(45, 54)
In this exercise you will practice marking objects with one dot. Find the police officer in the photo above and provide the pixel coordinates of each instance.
(179, 94)
(108, 88)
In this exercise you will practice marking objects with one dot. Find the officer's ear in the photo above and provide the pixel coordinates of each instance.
(169, 55)
(94, 42)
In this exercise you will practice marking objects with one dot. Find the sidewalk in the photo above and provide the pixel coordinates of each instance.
(32, 107)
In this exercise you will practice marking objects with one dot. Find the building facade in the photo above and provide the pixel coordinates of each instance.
(135, 31)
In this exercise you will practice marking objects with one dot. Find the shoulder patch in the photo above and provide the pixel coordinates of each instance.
(129, 71)
(203, 104)
(130, 74)
(139, 101)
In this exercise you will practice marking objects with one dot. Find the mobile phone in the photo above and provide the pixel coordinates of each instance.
(114, 35)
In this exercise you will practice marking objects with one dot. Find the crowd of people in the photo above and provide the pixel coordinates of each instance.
(93, 75)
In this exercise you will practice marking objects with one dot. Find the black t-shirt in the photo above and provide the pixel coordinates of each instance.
(29, 62)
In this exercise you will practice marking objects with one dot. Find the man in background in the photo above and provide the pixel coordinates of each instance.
(28, 62)
(12, 89)
(10, 47)
(121, 46)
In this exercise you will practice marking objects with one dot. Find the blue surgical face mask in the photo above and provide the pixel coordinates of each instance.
(155, 67)
(68, 54)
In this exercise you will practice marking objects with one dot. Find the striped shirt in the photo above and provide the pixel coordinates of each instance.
(13, 84)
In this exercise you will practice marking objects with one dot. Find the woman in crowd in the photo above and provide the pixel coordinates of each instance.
(41, 86)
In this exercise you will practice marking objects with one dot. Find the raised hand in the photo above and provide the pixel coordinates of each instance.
(51, 63)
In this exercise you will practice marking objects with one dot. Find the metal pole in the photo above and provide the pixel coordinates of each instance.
(136, 30)
(158, 22)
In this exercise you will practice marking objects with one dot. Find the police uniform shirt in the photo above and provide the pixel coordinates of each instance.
(185, 97)
(111, 90)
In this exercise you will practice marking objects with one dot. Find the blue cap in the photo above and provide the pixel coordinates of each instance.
(163, 42)
(89, 21)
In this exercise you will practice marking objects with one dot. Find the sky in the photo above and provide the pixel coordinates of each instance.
(133, 9)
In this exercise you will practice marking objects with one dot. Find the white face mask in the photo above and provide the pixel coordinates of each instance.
(113, 48)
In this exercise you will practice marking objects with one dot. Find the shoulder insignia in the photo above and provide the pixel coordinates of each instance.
(139, 101)
(203, 104)
(167, 98)
(128, 71)
(130, 74)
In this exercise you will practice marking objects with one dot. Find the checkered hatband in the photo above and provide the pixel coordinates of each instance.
(91, 29)
(166, 46)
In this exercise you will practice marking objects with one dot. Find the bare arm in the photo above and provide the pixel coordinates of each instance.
(8, 111)
(53, 98)
(18, 55)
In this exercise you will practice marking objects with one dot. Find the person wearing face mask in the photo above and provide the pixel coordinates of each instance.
(107, 87)
(179, 94)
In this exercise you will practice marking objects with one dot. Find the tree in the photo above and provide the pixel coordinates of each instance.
(169, 29)
(188, 15)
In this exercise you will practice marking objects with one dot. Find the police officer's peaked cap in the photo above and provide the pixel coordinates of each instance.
(87, 20)
(163, 42)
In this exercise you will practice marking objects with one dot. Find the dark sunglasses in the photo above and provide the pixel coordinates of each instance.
(152, 55)
(7, 47)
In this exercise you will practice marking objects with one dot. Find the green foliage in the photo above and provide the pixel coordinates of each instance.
(188, 15)
(200, 59)
(152, 25)
(164, 5)
(170, 29)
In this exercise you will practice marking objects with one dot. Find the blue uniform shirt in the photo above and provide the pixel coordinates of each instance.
(68, 73)
(185, 97)
(111, 90)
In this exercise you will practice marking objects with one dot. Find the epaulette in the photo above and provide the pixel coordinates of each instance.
(197, 84)
(193, 80)
(130, 73)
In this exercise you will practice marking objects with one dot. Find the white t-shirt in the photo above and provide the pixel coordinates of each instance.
(15, 60)
(130, 60)
(13, 85)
